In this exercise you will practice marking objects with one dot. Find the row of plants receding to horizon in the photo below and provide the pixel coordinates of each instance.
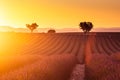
(85, 26)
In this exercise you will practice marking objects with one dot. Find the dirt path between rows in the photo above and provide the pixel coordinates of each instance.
(79, 70)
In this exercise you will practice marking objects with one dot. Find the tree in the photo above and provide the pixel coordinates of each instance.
(32, 26)
(86, 26)
(51, 31)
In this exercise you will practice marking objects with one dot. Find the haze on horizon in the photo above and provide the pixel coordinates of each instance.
(59, 13)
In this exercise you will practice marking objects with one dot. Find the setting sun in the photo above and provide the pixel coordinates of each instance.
(2, 22)
(2, 15)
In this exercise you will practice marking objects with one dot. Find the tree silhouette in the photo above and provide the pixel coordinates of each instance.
(51, 31)
(86, 26)
(32, 26)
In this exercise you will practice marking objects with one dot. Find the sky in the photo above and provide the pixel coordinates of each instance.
(60, 13)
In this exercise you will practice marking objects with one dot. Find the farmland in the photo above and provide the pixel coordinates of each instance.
(42, 56)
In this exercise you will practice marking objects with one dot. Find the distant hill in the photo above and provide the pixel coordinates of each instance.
(117, 29)
(11, 29)
(6, 28)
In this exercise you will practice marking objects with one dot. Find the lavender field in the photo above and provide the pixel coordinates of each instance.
(42, 56)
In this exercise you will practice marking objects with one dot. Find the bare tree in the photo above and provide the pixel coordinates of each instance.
(32, 26)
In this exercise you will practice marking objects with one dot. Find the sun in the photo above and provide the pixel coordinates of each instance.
(2, 22)
(3, 17)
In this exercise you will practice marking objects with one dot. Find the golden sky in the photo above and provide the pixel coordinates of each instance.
(60, 13)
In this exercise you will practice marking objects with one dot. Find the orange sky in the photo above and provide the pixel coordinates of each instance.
(59, 13)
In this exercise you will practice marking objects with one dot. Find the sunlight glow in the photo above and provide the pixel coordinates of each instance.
(3, 44)
(2, 22)
(2, 16)
(61, 14)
